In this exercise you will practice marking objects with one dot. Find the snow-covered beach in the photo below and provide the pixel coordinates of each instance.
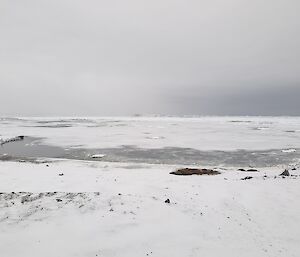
(105, 199)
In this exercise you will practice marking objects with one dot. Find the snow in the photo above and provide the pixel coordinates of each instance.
(289, 150)
(96, 156)
(202, 133)
(57, 207)
(118, 209)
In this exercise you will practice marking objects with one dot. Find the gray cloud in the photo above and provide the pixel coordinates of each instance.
(256, 100)
(64, 57)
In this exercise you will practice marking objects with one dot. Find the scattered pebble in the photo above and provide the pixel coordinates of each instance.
(245, 178)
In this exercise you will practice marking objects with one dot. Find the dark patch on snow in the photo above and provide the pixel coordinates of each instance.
(188, 172)
(246, 178)
(285, 173)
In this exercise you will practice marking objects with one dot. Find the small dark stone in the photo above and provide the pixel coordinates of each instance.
(252, 170)
(60, 174)
(241, 170)
(285, 173)
(245, 178)
(294, 169)
(168, 201)
(58, 200)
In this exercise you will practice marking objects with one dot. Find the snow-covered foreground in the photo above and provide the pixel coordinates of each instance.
(76, 208)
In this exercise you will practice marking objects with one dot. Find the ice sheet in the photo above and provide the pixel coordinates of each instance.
(202, 133)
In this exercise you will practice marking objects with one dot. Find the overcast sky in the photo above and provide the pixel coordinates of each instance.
(121, 57)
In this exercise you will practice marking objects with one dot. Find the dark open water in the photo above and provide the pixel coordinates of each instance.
(31, 149)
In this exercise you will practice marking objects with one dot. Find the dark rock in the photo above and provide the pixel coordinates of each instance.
(188, 171)
(168, 201)
(60, 174)
(249, 170)
(58, 200)
(14, 139)
(252, 170)
(245, 178)
(294, 169)
(285, 173)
